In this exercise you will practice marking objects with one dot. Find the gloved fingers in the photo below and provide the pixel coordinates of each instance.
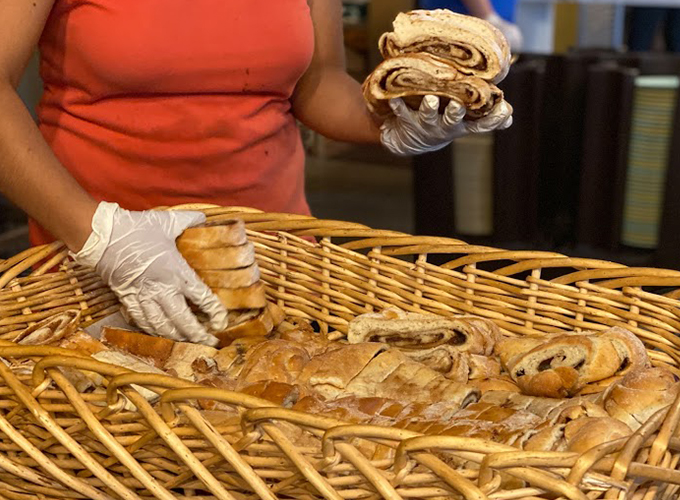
(389, 137)
(454, 113)
(429, 110)
(176, 309)
(498, 119)
(507, 123)
(132, 312)
(178, 221)
(400, 109)
(159, 320)
(199, 294)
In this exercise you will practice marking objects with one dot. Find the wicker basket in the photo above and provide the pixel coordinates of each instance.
(58, 443)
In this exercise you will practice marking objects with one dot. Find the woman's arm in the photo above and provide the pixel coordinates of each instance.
(30, 174)
(327, 99)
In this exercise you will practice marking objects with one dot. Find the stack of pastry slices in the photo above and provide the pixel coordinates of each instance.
(224, 259)
(440, 53)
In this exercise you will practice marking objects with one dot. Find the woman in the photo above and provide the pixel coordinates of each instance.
(161, 102)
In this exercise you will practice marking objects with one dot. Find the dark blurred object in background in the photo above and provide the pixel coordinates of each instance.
(644, 24)
(13, 230)
(591, 166)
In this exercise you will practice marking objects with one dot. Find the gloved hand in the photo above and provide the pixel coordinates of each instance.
(136, 255)
(511, 31)
(411, 132)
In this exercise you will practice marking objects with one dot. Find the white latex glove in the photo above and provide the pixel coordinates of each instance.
(511, 31)
(411, 132)
(136, 255)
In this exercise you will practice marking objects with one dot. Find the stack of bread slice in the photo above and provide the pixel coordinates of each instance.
(440, 53)
(224, 259)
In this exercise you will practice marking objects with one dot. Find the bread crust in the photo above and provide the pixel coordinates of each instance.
(250, 297)
(639, 395)
(155, 349)
(259, 325)
(471, 45)
(413, 76)
(417, 331)
(226, 257)
(213, 235)
(230, 278)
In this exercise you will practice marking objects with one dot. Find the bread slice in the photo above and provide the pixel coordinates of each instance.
(82, 342)
(230, 278)
(227, 257)
(154, 349)
(250, 297)
(213, 235)
(180, 363)
(251, 324)
(471, 45)
(50, 330)
(415, 331)
(413, 76)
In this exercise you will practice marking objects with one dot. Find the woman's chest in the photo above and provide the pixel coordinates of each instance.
(178, 46)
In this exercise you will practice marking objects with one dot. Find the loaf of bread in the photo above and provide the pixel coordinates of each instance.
(413, 76)
(175, 358)
(456, 365)
(470, 45)
(640, 394)
(372, 370)
(578, 435)
(561, 365)
(414, 331)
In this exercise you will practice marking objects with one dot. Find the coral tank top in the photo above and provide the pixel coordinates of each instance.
(163, 102)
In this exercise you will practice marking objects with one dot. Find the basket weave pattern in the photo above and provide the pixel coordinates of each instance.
(58, 443)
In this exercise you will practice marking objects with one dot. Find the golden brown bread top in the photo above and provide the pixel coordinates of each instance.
(274, 361)
(156, 349)
(339, 366)
(579, 435)
(501, 383)
(561, 382)
(639, 395)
